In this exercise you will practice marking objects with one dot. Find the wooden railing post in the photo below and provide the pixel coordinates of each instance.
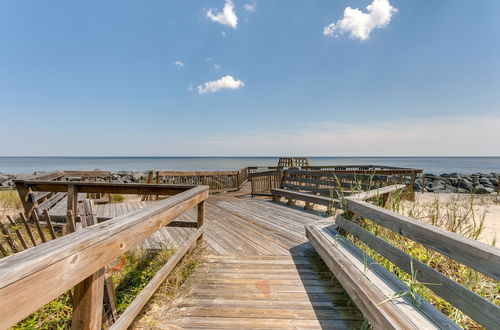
(88, 294)
(200, 217)
(88, 302)
(23, 192)
(72, 207)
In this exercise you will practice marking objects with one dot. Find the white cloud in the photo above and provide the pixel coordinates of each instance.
(359, 24)
(223, 33)
(227, 82)
(250, 6)
(216, 66)
(178, 64)
(226, 17)
(191, 88)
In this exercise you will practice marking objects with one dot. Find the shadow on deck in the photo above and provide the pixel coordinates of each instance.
(260, 272)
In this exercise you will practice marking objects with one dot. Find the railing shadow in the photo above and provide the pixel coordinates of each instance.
(332, 306)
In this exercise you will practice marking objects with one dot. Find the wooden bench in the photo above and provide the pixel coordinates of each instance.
(386, 301)
(328, 188)
(325, 188)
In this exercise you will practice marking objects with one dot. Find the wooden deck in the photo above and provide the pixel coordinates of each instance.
(260, 272)
(103, 211)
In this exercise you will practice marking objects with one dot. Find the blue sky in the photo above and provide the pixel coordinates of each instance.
(100, 78)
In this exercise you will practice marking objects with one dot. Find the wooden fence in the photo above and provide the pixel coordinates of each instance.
(265, 179)
(348, 262)
(218, 181)
(32, 278)
(264, 182)
(37, 202)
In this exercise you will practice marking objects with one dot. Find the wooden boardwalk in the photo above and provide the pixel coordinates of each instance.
(260, 272)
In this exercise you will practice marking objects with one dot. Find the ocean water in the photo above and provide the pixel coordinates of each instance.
(435, 165)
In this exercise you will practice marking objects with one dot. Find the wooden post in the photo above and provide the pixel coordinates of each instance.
(23, 192)
(88, 294)
(49, 223)
(201, 217)
(72, 207)
(88, 302)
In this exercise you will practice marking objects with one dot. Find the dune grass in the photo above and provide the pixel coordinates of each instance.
(9, 200)
(130, 274)
(458, 216)
(117, 198)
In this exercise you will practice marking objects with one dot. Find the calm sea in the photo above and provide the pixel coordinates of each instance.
(436, 165)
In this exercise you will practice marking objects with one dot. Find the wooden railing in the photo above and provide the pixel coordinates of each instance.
(330, 177)
(263, 182)
(476, 255)
(37, 202)
(293, 162)
(32, 278)
(218, 181)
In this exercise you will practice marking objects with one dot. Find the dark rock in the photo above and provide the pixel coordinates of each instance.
(138, 176)
(465, 184)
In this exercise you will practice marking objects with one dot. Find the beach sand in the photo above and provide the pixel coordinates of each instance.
(489, 205)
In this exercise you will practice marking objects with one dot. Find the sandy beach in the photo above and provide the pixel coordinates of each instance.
(489, 205)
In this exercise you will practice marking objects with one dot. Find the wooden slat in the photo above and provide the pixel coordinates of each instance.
(105, 187)
(332, 174)
(28, 229)
(39, 228)
(18, 232)
(49, 224)
(326, 201)
(479, 256)
(254, 300)
(366, 195)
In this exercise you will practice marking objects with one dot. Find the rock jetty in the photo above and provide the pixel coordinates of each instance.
(477, 183)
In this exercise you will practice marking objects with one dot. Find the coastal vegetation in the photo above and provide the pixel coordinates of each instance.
(9, 200)
(130, 274)
(458, 215)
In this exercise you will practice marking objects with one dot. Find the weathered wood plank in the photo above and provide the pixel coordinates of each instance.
(105, 187)
(321, 200)
(18, 232)
(478, 308)
(482, 257)
(370, 286)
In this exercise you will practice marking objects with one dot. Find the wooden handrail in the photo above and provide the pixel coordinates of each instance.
(218, 181)
(195, 173)
(105, 187)
(31, 278)
(366, 195)
(461, 297)
(474, 254)
(479, 256)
